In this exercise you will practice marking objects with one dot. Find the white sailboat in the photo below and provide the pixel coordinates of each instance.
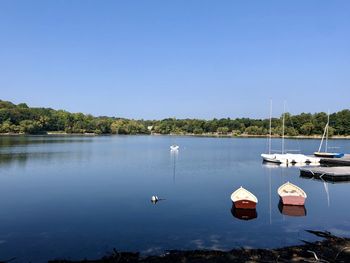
(271, 158)
(326, 154)
(285, 158)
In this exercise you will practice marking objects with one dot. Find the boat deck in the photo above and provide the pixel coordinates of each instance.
(343, 161)
(333, 174)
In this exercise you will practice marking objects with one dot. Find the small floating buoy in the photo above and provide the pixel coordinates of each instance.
(174, 148)
(154, 199)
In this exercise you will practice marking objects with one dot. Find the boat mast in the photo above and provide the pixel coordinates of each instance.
(324, 134)
(326, 149)
(283, 119)
(270, 126)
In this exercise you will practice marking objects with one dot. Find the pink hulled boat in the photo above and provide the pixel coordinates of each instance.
(291, 194)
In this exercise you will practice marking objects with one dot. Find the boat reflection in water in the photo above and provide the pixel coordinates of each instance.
(286, 165)
(243, 214)
(292, 210)
(174, 156)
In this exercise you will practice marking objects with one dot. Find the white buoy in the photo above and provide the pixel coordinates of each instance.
(174, 148)
(154, 199)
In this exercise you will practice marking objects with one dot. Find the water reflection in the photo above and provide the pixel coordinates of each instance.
(272, 165)
(321, 179)
(284, 165)
(6, 141)
(174, 157)
(325, 185)
(243, 214)
(45, 206)
(21, 158)
(292, 210)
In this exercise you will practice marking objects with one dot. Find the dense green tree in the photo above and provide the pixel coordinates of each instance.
(291, 131)
(21, 118)
(222, 130)
(5, 127)
(255, 130)
(30, 127)
(198, 131)
(307, 128)
(342, 122)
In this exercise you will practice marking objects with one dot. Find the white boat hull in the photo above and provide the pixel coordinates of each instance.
(289, 158)
(271, 158)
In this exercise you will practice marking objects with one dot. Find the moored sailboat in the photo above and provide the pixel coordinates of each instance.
(326, 154)
(283, 157)
(269, 157)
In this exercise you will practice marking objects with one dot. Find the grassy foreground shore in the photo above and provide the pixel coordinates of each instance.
(330, 249)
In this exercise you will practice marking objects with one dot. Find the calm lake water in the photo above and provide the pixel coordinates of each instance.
(76, 197)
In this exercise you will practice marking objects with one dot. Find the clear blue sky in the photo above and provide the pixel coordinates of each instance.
(155, 59)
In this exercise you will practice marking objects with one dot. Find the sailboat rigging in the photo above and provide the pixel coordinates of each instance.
(325, 135)
(285, 158)
(272, 158)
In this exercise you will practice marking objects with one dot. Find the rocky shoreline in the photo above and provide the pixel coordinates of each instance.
(330, 249)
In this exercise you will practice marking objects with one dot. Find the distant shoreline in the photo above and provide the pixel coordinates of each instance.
(22, 119)
(206, 135)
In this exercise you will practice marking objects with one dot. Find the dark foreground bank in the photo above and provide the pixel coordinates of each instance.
(330, 249)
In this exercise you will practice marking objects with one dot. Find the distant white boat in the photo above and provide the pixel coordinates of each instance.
(174, 147)
(271, 158)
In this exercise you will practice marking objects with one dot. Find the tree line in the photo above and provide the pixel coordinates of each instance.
(28, 120)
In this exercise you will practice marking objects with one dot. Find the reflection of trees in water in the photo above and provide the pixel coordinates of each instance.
(27, 140)
(8, 159)
(16, 149)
